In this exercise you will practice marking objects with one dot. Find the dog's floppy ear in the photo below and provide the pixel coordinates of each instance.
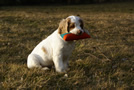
(63, 26)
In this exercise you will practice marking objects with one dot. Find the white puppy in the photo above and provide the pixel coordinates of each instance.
(54, 50)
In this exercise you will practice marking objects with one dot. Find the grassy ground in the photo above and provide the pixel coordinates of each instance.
(106, 61)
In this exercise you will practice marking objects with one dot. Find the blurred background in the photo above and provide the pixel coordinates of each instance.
(47, 2)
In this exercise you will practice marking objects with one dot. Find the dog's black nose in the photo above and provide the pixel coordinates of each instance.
(79, 32)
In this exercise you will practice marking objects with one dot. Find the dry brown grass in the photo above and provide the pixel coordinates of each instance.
(106, 61)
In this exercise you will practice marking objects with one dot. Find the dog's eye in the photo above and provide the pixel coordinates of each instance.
(72, 26)
(81, 25)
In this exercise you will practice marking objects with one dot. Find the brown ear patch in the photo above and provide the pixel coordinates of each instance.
(81, 23)
(63, 26)
(44, 50)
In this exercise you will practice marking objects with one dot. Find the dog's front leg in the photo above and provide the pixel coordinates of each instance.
(59, 64)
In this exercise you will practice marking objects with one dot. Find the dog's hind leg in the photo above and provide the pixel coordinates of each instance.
(33, 61)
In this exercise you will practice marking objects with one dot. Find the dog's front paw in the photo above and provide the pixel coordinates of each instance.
(45, 69)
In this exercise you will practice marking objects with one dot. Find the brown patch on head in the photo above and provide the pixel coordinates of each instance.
(44, 50)
(63, 26)
(81, 23)
(71, 26)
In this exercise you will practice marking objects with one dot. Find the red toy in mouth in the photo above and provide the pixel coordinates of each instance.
(71, 37)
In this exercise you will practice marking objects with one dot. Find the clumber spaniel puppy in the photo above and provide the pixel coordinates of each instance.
(54, 50)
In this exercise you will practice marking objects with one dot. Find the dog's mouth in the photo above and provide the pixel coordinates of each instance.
(78, 32)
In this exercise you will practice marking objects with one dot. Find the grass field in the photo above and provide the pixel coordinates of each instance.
(106, 61)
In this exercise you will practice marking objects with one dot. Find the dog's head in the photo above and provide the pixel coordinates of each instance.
(72, 24)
